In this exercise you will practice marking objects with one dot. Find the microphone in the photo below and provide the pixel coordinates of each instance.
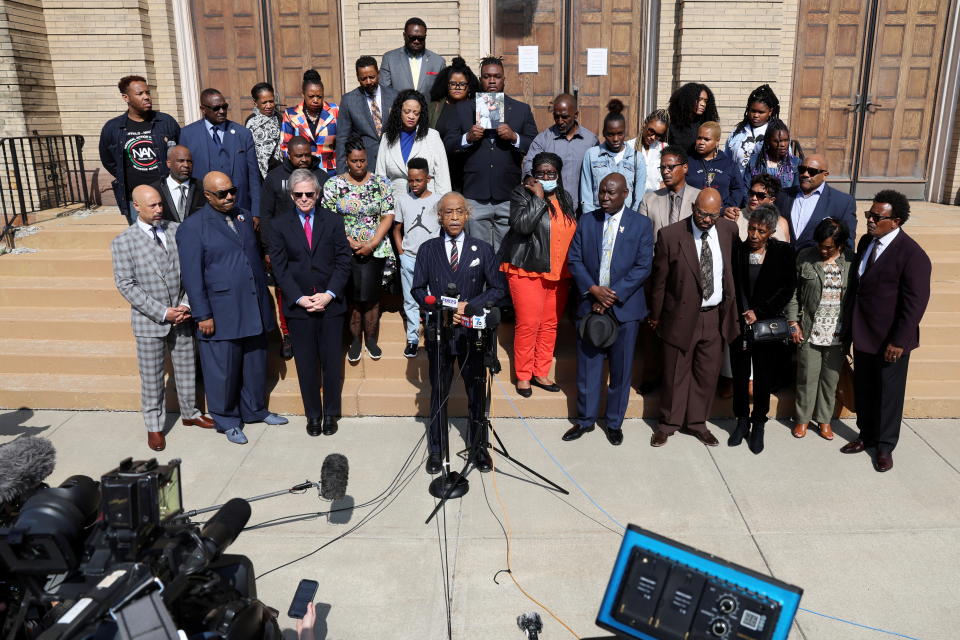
(430, 300)
(219, 532)
(471, 319)
(449, 301)
(333, 476)
(24, 464)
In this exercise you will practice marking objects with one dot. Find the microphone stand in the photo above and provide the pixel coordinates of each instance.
(303, 486)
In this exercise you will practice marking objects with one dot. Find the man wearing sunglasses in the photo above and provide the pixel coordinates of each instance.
(805, 205)
(891, 284)
(219, 144)
(222, 272)
(412, 66)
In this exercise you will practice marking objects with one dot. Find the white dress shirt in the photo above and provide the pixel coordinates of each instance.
(651, 158)
(174, 187)
(713, 240)
(148, 229)
(884, 242)
(461, 239)
(803, 206)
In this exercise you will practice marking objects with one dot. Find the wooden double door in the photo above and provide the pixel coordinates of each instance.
(243, 42)
(564, 30)
(865, 85)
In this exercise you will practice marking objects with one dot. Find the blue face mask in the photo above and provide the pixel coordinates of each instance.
(548, 185)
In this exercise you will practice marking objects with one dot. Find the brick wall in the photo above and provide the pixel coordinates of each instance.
(374, 27)
(28, 98)
(730, 45)
(951, 193)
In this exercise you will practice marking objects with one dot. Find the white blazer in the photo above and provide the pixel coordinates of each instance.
(390, 163)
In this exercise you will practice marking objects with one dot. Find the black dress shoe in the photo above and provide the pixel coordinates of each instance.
(853, 447)
(314, 426)
(884, 462)
(648, 387)
(481, 459)
(552, 387)
(434, 464)
(755, 443)
(329, 425)
(614, 436)
(286, 348)
(524, 393)
(741, 431)
(576, 431)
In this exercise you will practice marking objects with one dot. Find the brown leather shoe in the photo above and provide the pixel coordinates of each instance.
(799, 430)
(826, 431)
(658, 439)
(725, 387)
(884, 462)
(853, 447)
(201, 421)
(156, 441)
(707, 438)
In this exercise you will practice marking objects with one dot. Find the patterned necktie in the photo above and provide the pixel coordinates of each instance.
(674, 207)
(182, 205)
(156, 236)
(706, 266)
(216, 136)
(308, 230)
(606, 252)
(454, 255)
(375, 112)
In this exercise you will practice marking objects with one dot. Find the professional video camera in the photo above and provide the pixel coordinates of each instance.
(113, 559)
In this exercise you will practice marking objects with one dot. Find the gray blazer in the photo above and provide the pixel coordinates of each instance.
(395, 71)
(656, 206)
(355, 119)
(148, 277)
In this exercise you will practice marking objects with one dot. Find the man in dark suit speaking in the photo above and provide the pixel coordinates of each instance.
(470, 264)
(610, 258)
(891, 284)
(222, 272)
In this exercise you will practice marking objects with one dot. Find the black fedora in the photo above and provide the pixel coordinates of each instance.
(598, 329)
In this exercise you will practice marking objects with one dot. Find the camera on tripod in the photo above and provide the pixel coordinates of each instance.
(115, 559)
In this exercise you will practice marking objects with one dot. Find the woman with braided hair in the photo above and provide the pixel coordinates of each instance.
(763, 107)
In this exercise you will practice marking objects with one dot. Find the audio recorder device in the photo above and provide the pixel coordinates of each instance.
(663, 590)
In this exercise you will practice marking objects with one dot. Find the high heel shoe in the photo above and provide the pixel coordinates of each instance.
(739, 433)
(756, 436)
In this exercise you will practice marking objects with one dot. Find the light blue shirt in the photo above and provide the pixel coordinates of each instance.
(803, 207)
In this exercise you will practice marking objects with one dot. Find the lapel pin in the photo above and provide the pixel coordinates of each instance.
(233, 131)
(240, 217)
(621, 229)
(473, 247)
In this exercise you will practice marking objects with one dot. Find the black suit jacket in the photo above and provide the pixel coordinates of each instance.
(775, 283)
(832, 204)
(195, 198)
(303, 271)
(891, 297)
(491, 166)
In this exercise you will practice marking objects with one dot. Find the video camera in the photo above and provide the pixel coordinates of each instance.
(116, 558)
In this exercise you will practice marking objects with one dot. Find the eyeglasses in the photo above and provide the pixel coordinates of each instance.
(223, 193)
(876, 217)
(545, 175)
(700, 213)
(221, 107)
(759, 195)
(653, 132)
(458, 85)
(810, 170)
(304, 194)
(668, 168)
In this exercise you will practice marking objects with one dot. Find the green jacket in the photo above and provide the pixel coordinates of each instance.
(803, 306)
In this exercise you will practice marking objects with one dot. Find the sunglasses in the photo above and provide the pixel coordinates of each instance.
(223, 193)
(759, 195)
(810, 170)
(652, 132)
(876, 217)
(222, 107)
(304, 194)
(419, 38)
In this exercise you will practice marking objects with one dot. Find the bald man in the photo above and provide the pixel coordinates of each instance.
(566, 138)
(146, 270)
(693, 309)
(182, 194)
(812, 200)
(223, 275)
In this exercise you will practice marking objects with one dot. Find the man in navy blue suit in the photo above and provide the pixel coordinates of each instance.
(805, 205)
(219, 144)
(470, 264)
(221, 269)
(610, 258)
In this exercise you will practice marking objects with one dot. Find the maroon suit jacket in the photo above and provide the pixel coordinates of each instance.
(891, 296)
(677, 291)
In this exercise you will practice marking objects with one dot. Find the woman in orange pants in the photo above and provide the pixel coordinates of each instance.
(534, 251)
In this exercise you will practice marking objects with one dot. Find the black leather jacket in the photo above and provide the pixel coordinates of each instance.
(527, 243)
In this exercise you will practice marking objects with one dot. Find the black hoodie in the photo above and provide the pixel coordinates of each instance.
(274, 197)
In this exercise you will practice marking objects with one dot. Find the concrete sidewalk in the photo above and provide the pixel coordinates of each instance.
(879, 549)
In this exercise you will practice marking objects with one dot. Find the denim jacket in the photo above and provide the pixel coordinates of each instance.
(599, 162)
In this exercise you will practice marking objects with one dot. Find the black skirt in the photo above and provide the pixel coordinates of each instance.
(366, 276)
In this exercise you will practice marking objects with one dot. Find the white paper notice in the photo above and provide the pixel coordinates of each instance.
(528, 59)
(596, 62)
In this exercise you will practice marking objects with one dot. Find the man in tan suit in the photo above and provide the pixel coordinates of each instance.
(693, 305)
(673, 202)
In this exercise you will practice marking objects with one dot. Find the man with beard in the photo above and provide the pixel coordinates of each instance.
(363, 111)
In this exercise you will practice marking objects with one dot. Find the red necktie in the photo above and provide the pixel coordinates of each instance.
(308, 230)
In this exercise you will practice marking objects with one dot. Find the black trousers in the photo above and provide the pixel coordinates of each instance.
(879, 387)
(470, 366)
(317, 343)
(764, 357)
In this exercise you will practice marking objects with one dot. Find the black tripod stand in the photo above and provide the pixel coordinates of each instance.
(483, 347)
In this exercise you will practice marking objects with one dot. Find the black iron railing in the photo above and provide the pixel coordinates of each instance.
(38, 173)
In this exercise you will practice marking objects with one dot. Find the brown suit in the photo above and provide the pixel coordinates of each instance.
(656, 206)
(694, 339)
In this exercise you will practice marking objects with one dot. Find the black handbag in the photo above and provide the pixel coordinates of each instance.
(770, 330)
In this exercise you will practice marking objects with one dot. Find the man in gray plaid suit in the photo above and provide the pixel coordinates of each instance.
(146, 270)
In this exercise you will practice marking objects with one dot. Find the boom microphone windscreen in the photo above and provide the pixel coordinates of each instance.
(24, 464)
(333, 476)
